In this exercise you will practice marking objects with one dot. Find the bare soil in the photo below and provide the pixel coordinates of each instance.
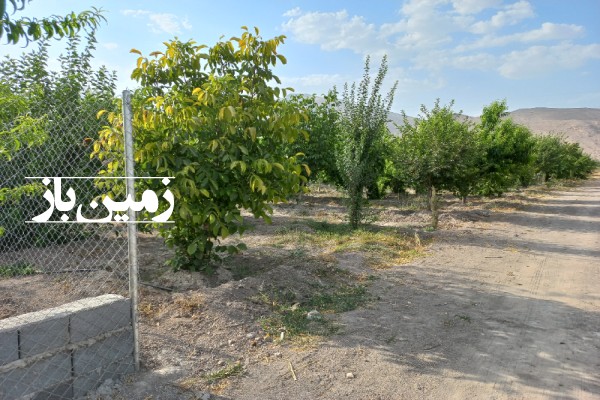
(502, 302)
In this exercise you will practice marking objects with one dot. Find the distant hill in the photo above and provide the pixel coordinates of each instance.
(581, 125)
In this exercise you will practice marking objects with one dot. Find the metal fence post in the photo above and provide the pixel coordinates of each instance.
(131, 225)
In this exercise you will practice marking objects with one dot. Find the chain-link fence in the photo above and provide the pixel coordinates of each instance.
(66, 320)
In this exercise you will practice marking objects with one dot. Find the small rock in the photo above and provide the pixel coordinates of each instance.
(202, 396)
(106, 388)
(221, 362)
(314, 314)
(295, 306)
(350, 375)
(250, 335)
(230, 342)
(278, 354)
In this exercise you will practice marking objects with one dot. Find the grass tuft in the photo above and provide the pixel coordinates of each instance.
(17, 269)
(382, 247)
(291, 317)
(228, 371)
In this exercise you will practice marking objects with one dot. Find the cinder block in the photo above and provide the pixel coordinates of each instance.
(64, 374)
(97, 317)
(103, 353)
(83, 384)
(110, 358)
(40, 331)
(43, 376)
(9, 345)
(45, 335)
(61, 391)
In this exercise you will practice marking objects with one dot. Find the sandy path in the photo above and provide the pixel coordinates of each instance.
(507, 309)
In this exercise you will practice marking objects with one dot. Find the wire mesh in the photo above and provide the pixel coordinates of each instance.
(65, 307)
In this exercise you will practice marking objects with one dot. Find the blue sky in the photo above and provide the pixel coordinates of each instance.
(536, 53)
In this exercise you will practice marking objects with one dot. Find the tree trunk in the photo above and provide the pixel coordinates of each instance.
(434, 208)
(355, 206)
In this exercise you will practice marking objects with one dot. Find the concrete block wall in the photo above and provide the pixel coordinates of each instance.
(67, 351)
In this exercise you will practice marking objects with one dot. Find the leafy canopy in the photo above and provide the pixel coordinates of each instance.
(508, 151)
(321, 126)
(438, 149)
(47, 123)
(31, 29)
(362, 130)
(555, 158)
(214, 119)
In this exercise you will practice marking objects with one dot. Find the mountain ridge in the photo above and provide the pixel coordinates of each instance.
(580, 125)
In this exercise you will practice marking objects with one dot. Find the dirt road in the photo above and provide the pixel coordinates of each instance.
(508, 308)
(504, 306)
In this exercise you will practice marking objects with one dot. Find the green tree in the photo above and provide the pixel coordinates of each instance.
(18, 127)
(30, 29)
(321, 126)
(438, 151)
(555, 158)
(390, 176)
(214, 119)
(47, 123)
(362, 129)
(508, 151)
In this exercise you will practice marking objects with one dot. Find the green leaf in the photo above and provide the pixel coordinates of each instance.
(221, 133)
(191, 249)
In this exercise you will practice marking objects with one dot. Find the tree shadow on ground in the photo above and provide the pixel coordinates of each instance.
(438, 323)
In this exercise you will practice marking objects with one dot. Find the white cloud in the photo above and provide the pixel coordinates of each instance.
(316, 80)
(161, 22)
(547, 32)
(294, 12)
(168, 23)
(135, 13)
(433, 35)
(479, 61)
(510, 15)
(550, 31)
(332, 30)
(473, 6)
(425, 26)
(110, 45)
(541, 60)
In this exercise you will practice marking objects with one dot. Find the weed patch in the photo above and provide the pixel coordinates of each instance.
(228, 371)
(17, 269)
(382, 247)
(292, 318)
(342, 300)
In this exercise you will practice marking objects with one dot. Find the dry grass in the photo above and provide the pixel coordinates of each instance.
(187, 305)
(381, 247)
